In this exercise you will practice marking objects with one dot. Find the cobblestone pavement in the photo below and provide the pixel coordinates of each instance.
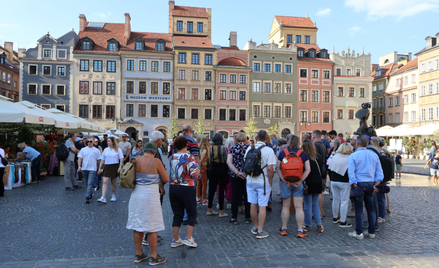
(415, 166)
(42, 225)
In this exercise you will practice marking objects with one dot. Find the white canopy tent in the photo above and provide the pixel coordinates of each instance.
(81, 124)
(115, 132)
(385, 131)
(427, 130)
(61, 122)
(13, 113)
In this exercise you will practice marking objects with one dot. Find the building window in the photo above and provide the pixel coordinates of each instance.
(277, 68)
(208, 114)
(166, 88)
(338, 71)
(97, 88)
(86, 45)
(398, 102)
(181, 93)
(166, 67)
(232, 115)
(232, 95)
(179, 25)
(154, 110)
(32, 89)
(130, 87)
(97, 111)
(288, 88)
(326, 74)
(200, 27)
(141, 110)
(208, 59)
(325, 117)
(242, 114)
(287, 68)
(181, 74)
(195, 58)
(351, 92)
(166, 111)
(139, 45)
(406, 117)
(160, 46)
(340, 114)
(358, 72)
(142, 65)
(314, 96)
(257, 111)
(430, 114)
(287, 111)
(267, 111)
(233, 78)
(242, 95)
(314, 73)
(381, 86)
(340, 92)
(312, 53)
(390, 102)
(303, 73)
(303, 95)
(257, 67)
(130, 65)
(423, 90)
(223, 78)
(223, 94)
(413, 78)
(222, 114)
(277, 111)
(142, 87)
(406, 80)
(97, 66)
(267, 87)
(351, 114)
(47, 53)
(46, 70)
(111, 88)
(257, 87)
(83, 87)
(323, 54)
(289, 38)
(406, 99)
(300, 53)
(242, 79)
(195, 93)
(130, 110)
(208, 94)
(110, 112)
(60, 90)
(362, 92)
(277, 87)
(83, 111)
(413, 116)
(45, 90)
(390, 118)
(398, 116)
(32, 69)
(181, 113)
(112, 46)
(111, 66)
(154, 66)
(307, 39)
(303, 116)
(182, 57)
(348, 72)
(374, 87)
(381, 102)
(190, 27)
(208, 76)
(267, 67)
(314, 116)
(61, 71)
(195, 75)
(298, 39)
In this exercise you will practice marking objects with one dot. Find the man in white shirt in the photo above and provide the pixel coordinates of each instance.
(88, 163)
(125, 146)
(257, 193)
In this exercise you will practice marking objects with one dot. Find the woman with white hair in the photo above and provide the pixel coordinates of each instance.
(34, 156)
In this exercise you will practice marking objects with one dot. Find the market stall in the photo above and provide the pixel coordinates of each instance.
(17, 174)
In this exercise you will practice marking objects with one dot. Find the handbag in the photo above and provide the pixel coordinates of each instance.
(4, 161)
(305, 188)
(128, 175)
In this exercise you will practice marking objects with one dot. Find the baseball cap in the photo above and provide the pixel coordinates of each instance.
(78, 139)
(150, 145)
(400, 152)
(366, 137)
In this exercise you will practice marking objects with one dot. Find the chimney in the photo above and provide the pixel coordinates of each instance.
(21, 52)
(9, 46)
(127, 26)
(82, 22)
(171, 8)
(209, 23)
(233, 39)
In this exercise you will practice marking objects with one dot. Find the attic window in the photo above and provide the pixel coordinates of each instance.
(86, 45)
(312, 53)
(139, 45)
(112, 45)
(160, 45)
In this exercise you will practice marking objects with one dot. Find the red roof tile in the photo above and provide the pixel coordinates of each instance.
(230, 48)
(301, 22)
(195, 12)
(411, 64)
(149, 40)
(308, 46)
(192, 41)
(314, 59)
(101, 36)
(385, 70)
(232, 62)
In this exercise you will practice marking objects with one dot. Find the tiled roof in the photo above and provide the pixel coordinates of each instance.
(374, 67)
(411, 64)
(231, 62)
(385, 70)
(35, 59)
(230, 48)
(301, 22)
(314, 59)
(101, 36)
(195, 12)
(149, 40)
(308, 46)
(192, 41)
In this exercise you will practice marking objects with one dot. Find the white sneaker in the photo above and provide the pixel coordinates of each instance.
(217, 206)
(229, 206)
(381, 220)
(190, 242)
(102, 200)
(355, 235)
(113, 198)
(326, 192)
(177, 243)
(371, 236)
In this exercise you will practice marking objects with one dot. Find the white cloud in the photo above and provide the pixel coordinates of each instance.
(6, 25)
(395, 8)
(323, 12)
(354, 30)
(102, 15)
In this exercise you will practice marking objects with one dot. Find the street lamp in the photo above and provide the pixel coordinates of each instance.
(305, 123)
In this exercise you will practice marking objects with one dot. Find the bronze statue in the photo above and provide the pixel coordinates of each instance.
(363, 115)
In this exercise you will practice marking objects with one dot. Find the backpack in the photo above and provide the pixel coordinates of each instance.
(127, 176)
(292, 166)
(387, 166)
(253, 162)
(62, 152)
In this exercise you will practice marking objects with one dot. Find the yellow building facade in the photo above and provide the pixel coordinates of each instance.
(288, 30)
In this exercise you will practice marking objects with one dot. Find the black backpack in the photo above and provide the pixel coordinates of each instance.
(386, 165)
(62, 152)
(252, 163)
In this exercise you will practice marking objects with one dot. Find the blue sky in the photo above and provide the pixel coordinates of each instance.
(380, 26)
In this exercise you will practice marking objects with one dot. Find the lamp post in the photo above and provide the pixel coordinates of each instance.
(305, 123)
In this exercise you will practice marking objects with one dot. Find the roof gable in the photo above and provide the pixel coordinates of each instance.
(299, 22)
(149, 40)
(192, 41)
(195, 12)
(100, 36)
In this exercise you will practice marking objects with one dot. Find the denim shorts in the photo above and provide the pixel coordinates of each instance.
(286, 192)
(398, 167)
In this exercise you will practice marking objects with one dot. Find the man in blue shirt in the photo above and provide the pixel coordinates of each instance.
(365, 172)
(273, 144)
(326, 142)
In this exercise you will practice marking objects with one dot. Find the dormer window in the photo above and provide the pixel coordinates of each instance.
(139, 45)
(312, 53)
(323, 54)
(160, 45)
(112, 45)
(86, 44)
(300, 53)
(378, 71)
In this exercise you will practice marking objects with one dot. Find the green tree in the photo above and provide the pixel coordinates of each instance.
(250, 128)
(173, 127)
(199, 127)
(274, 130)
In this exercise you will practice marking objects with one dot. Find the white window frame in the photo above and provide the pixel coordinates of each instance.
(390, 118)
(330, 119)
(44, 104)
(274, 108)
(263, 110)
(146, 65)
(398, 118)
(430, 113)
(423, 114)
(65, 70)
(323, 72)
(307, 73)
(261, 66)
(150, 112)
(413, 114)
(253, 86)
(204, 114)
(56, 90)
(318, 116)
(318, 73)
(50, 88)
(307, 95)
(57, 54)
(63, 105)
(42, 70)
(260, 112)
(291, 110)
(51, 53)
(406, 117)
(28, 69)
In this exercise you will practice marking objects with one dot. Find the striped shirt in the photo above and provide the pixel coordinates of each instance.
(192, 146)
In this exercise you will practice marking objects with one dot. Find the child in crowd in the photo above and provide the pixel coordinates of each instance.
(434, 166)
(398, 162)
